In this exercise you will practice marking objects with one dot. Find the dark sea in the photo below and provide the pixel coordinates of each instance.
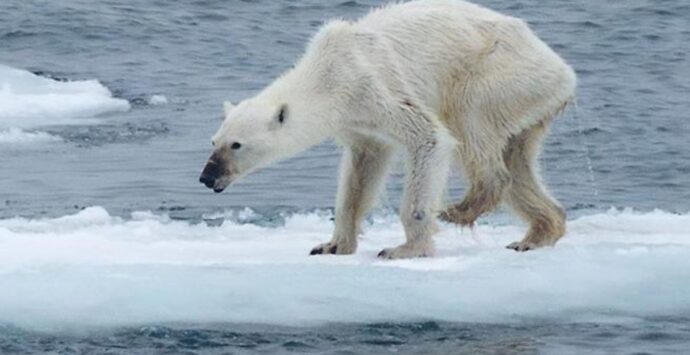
(109, 245)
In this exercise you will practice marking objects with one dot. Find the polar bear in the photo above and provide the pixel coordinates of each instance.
(442, 80)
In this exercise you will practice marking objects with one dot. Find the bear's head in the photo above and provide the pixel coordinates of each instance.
(253, 134)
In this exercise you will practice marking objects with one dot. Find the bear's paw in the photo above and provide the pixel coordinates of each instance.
(333, 248)
(407, 251)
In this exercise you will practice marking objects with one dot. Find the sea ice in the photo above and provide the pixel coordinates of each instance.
(28, 100)
(92, 268)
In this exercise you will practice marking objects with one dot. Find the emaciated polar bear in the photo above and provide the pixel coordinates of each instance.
(441, 79)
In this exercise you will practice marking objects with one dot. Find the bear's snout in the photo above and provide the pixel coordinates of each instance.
(210, 175)
(207, 180)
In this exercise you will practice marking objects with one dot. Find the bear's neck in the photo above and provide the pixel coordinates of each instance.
(309, 106)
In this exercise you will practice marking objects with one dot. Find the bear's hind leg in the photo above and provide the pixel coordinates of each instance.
(487, 174)
(526, 194)
(362, 172)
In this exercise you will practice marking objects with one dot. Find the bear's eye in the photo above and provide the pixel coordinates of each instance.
(236, 146)
(282, 114)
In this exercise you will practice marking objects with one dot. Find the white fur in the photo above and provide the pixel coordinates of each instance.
(440, 79)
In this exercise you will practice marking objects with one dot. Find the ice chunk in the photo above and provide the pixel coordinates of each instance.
(158, 100)
(95, 269)
(16, 135)
(28, 100)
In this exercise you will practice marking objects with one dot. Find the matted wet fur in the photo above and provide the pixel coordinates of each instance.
(439, 80)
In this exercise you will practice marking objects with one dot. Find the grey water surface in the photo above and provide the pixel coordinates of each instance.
(625, 145)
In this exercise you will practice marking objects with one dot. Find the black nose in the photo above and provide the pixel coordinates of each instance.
(212, 171)
(207, 180)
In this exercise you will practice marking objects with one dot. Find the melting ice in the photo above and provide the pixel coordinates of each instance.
(92, 268)
(29, 101)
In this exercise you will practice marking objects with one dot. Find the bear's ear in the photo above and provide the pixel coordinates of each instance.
(227, 107)
(282, 114)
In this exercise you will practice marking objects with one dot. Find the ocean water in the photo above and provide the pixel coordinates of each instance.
(108, 244)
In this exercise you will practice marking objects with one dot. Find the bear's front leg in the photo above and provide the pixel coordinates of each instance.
(362, 172)
(426, 176)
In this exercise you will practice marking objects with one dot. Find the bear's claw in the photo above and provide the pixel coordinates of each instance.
(523, 246)
(406, 252)
(455, 215)
(331, 248)
(323, 249)
(518, 246)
